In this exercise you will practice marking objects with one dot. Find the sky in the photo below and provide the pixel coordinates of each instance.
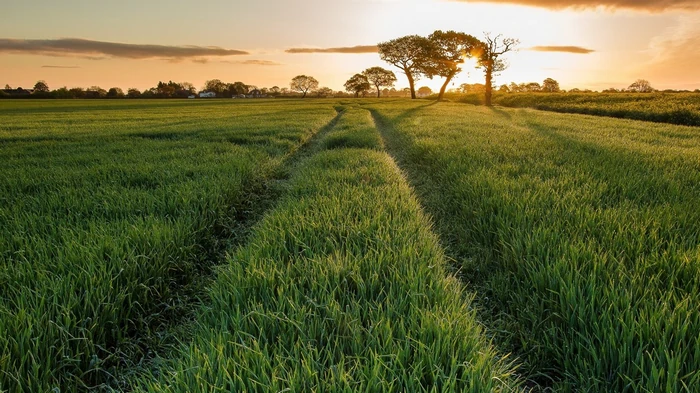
(136, 43)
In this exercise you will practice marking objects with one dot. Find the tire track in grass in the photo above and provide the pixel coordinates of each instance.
(260, 196)
(342, 286)
(393, 148)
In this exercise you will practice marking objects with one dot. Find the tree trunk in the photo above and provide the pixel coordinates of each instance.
(378, 92)
(489, 85)
(304, 96)
(444, 87)
(410, 85)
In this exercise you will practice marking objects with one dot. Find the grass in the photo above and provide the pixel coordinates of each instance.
(107, 210)
(580, 235)
(673, 108)
(342, 287)
(576, 236)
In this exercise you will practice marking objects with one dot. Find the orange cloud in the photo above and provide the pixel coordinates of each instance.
(58, 66)
(259, 62)
(77, 47)
(347, 49)
(642, 5)
(564, 49)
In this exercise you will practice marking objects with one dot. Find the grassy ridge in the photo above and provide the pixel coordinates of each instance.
(106, 210)
(582, 236)
(674, 108)
(341, 287)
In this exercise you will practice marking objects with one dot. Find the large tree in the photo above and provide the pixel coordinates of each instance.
(489, 59)
(238, 88)
(41, 87)
(448, 50)
(550, 86)
(357, 84)
(407, 54)
(303, 83)
(641, 86)
(115, 92)
(216, 86)
(425, 91)
(379, 77)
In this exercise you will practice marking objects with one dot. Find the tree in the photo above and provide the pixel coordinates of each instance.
(324, 92)
(238, 88)
(41, 87)
(533, 87)
(95, 92)
(357, 84)
(275, 90)
(379, 77)
(550, 86)
(425, 91)
(61, 92)
(115, 92)
(471, 88)
(406, 53)
(491, 49)
(216, 86)
(133, 93)
(447, 52)
(7, 87)
(188, 87)
(303, 83)
(77, 92)
(641, 86)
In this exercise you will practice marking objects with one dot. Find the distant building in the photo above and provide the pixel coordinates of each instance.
(191, 96)
(207, 94)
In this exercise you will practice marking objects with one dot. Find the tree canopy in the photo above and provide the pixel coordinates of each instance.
(407, 54)
(357, 84)
(550, 86)
(41, 87)
(303, 83)
(447, 53)
(641, 86)
(379, 77)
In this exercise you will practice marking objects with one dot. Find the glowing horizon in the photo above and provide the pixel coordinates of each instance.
(131, 44)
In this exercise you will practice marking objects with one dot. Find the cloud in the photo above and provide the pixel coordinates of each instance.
(77, 47)
(564, 49)
(260, 62)
(641, 5)
(253, 62)
(58, 66)
(345, 49)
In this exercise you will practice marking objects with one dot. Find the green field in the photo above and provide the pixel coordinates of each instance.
(672, 108)
(345, 245)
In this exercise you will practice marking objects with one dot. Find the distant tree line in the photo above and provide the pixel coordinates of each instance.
(301, 86)
(550, 85)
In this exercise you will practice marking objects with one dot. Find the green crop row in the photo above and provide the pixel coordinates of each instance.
(579, 234)
(107, 210)
(341, 287)
(673, 108)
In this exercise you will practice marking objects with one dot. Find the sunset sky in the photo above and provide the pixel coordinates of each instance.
(127, 43)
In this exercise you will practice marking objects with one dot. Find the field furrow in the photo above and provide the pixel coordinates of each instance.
(110, 214)
(580, 236)
(341, 287)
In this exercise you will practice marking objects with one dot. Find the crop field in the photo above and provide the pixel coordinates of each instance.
(673, 108)
(345, 245)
